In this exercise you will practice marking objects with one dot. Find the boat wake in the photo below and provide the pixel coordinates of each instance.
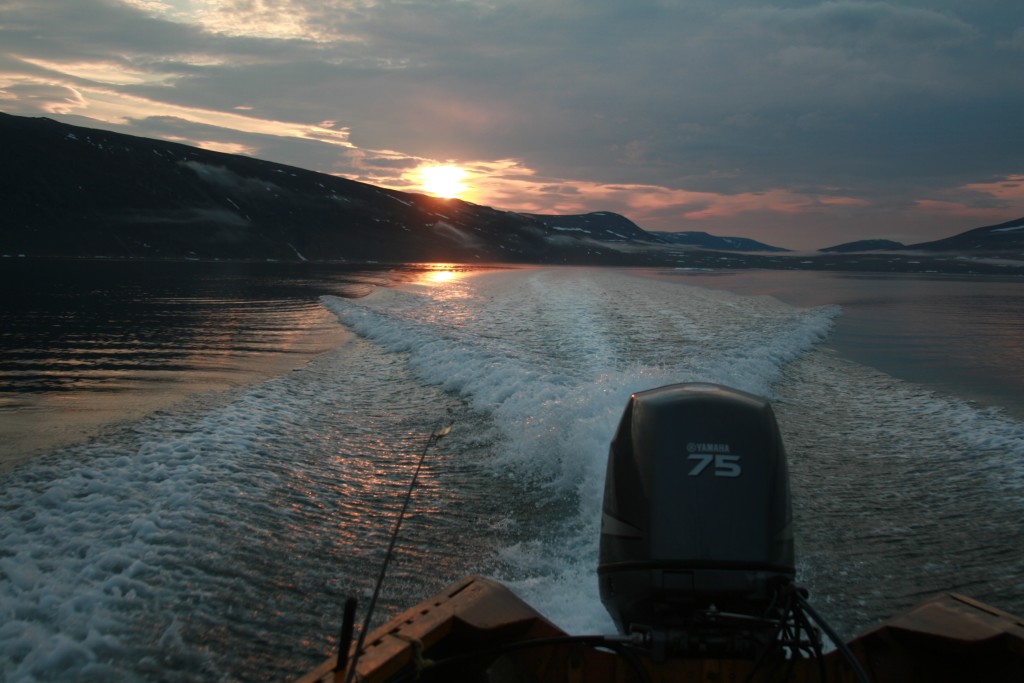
(549, 357)
(219, 539)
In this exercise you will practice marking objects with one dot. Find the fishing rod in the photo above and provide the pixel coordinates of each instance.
(346, 629)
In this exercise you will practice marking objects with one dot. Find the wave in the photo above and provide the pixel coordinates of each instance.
(899, 493)
(551, 357)
(207, 539)
(203, 542)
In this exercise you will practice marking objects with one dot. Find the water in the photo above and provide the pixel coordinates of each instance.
(217, 539)
(87, 343)
(961, 336)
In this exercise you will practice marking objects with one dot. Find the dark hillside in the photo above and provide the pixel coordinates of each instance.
(705, 240)
(68, 191)
(71, 191)
(1008, 236)
(600, 225)
(864, 245)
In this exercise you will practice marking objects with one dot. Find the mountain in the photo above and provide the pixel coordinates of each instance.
(704, 240)
(73, 191)
(612, 227)
(865, 245)
(601, 225)
(1004, 239)
(1008, 236)
(69, 191)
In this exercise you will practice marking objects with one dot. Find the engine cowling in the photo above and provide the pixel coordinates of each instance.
(697, 517)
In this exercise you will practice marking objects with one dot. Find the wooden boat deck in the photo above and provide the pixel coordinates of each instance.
(948, 638)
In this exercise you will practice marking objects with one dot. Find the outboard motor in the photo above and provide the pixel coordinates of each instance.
(696, 531)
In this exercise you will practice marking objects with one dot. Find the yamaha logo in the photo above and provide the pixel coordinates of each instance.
(707, 448)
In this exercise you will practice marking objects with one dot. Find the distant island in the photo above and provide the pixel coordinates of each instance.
(74, 192)
(865, 245)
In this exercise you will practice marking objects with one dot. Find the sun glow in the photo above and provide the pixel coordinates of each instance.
(440, 273)
(442, 181)
(441, 276)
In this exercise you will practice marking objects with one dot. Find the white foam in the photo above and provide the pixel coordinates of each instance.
(205, 540)
(169, 550)
(552, 357)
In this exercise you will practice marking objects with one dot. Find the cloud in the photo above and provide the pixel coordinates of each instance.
(816, 116)
(979, 200)
(105, 72)
(229, 180)
(1014, 42)
(457, 235)
(221, 146)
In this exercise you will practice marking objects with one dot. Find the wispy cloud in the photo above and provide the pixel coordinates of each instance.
(87, 90)
(812, 122)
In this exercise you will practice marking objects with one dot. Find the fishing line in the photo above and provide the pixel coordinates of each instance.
(435, 436)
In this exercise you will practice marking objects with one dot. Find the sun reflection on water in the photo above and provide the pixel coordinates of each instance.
(440, 276)
(441, 273)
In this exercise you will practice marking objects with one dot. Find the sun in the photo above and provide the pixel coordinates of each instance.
(442, 181)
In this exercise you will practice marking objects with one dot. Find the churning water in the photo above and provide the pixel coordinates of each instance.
(217, 540)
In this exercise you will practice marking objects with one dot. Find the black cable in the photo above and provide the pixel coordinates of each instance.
(773, 643)
(792, 616)
(815, 641)
(858, 670)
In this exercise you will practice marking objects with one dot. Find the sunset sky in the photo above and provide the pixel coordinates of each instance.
(802, 124)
